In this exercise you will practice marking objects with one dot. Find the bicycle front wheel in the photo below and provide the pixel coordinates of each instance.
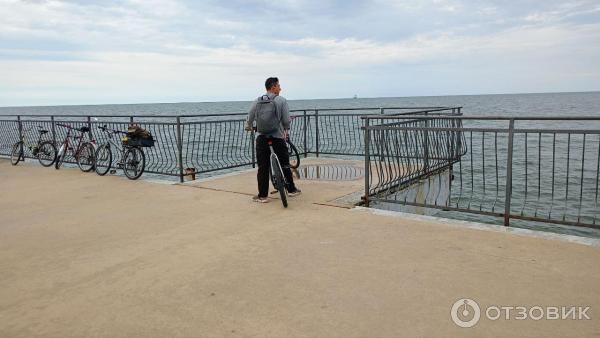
(85, 157)
(278, 180)
(17, 153)
(46, 153)
(62, 153)
(294, 156)
(103, 160)
(134, 163)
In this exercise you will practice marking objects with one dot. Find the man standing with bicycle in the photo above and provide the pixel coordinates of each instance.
(272, 116)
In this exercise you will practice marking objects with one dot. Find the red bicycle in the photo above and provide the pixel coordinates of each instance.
(83, 152)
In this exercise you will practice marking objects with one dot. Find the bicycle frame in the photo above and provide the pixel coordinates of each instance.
(272, 158)
(31, 146)
(112, 143)
(66, 146)
(275, 166)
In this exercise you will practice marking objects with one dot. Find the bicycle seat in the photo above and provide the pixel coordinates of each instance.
(84, 129)
(42, 131)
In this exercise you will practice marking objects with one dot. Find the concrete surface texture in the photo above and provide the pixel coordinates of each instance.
(89, 256)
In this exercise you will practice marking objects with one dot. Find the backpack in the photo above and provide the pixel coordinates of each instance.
(268, 119)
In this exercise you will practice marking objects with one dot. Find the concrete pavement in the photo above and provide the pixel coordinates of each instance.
(89, 256)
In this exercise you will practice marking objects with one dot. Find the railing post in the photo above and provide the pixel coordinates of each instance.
(179, 149)
(317, 132)
(253, 146)
(382, 141)
(89, 123)
(426, 147)
(452, 140)
(459, 136)
(381, 111)
(367, 160)
(305, 134)
(20, 126)
(509, 173)
(130, 120)
(53, 127)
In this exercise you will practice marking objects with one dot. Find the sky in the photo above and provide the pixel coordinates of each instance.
(138, 51)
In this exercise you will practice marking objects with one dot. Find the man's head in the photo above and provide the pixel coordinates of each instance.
(272, 85)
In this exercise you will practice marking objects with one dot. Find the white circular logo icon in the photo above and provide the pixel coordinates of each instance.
(465, 312)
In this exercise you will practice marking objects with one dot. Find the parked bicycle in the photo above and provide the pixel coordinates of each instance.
(44, 151)
(83, 152)
(132, 159)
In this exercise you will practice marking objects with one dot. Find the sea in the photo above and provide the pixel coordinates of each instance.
(545, 104)
(572, 104)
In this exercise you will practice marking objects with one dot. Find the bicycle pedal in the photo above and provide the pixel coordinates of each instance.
(113, 171)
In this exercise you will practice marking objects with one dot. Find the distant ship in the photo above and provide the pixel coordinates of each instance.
(355, 96)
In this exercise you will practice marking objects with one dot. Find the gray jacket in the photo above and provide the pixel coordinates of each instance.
(282, 109)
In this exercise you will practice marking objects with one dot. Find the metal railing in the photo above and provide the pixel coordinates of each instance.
(514, 168)
(212, 142)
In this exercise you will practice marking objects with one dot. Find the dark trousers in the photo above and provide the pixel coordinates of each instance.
(263, 157)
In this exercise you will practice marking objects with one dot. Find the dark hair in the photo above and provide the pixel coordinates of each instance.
(271, 82)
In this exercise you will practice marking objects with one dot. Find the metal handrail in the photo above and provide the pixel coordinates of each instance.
(225, 113)
(492, 118)
(540, 155)
(207, 143)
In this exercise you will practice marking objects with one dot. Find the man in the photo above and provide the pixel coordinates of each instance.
(272, 117)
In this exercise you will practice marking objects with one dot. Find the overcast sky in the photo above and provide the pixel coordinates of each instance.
(88, 52)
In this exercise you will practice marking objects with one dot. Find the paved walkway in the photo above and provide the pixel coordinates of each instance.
(84, 255)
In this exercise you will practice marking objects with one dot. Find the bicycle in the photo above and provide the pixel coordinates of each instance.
(44, 151)
(276, 174)
(83, 153)
(133, 160)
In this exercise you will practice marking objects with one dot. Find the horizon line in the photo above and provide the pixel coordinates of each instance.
(302, 99)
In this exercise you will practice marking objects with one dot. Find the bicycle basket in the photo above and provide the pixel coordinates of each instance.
(138, 142)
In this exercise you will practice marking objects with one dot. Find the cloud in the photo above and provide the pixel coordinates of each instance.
(154, 50)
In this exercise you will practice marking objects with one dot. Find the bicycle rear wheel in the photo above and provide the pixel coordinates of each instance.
(294, 156)
(134, 163)
(278, 180)
(103, 160)
(46, 153)
(16, 153)
(85, 157)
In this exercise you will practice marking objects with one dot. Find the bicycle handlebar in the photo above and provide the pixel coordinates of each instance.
(29, 129)
(105, 129)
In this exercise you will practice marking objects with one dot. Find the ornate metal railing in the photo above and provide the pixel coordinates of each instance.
(207, 143)
(516, 168)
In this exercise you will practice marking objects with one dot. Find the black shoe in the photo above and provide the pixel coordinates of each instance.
(295, 192)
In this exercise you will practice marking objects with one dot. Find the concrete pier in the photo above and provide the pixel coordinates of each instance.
(89, 256)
